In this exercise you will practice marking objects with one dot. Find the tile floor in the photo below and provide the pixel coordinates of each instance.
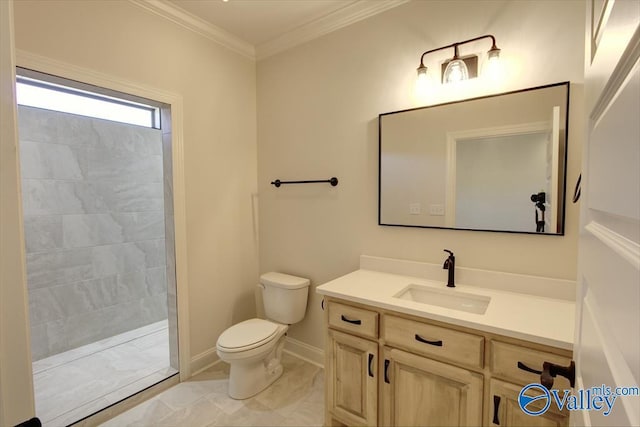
(295, 399)
(71, 385)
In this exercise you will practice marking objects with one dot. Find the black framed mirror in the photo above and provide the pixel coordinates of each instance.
(493, 163)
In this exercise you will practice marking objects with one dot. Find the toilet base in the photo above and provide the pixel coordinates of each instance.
(248, 378)
(249, 381)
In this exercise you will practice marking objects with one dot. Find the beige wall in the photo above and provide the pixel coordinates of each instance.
(317, 117)
(16, 391)
(218, 91)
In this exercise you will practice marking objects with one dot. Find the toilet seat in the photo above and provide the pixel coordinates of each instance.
(247, 335)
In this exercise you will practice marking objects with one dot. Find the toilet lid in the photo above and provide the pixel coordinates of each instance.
(247, 334)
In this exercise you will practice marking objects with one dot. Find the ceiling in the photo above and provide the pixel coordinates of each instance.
(260, 28)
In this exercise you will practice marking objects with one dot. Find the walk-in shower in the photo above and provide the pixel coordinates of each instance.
(99, 252)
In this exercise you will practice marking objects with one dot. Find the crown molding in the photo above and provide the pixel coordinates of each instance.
(350, 14)
(197, 25)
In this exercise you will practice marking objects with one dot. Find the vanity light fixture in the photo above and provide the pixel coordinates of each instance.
(461, 68)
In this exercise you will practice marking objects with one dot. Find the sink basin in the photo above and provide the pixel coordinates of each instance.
(447, 298)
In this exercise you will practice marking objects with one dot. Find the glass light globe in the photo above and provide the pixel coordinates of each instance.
(423, 81)
(494, 69)
(456, 71)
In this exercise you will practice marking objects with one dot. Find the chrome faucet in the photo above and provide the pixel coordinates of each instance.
(450, 264)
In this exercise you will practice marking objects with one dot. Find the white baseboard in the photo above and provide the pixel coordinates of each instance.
(203, 361)
(304, 351)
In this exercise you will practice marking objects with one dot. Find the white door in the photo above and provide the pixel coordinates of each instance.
(16, 387)
(607, 349)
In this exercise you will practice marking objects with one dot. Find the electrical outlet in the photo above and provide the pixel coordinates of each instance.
(414, 208)
(436, 210)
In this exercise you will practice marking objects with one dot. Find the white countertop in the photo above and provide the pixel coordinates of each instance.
(528, 317)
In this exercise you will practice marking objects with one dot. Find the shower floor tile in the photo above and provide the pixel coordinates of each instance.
(295, 399)
(79, 382)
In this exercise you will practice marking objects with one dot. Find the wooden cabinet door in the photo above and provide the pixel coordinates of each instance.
(417, 391)
(352, 391)
(505, 411)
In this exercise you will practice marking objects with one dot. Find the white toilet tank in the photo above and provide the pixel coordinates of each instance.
(284, 297)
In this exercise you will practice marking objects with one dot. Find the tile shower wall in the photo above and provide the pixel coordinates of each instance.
(94, 227)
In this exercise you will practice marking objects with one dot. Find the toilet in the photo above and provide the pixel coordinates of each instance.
(253, 348)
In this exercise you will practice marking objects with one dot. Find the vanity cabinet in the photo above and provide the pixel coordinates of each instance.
(392, 369)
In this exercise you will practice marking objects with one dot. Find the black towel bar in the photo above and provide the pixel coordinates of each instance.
(333, 181)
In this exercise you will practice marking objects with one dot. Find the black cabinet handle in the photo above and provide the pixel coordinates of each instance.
(386, 371)
(496, 407)
(322, 304)
(370, 365)
(528, 369)
(355, 322)
(436, 343)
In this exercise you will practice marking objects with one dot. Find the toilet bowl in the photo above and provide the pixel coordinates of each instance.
(253, 348)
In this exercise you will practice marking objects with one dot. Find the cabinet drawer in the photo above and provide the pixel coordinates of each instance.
(512, 361)
(352, 319)
(430, 340)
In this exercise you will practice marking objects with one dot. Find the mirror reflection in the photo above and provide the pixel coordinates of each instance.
(495, 163)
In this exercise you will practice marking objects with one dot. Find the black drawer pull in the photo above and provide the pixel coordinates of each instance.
(386, 371)
(496, 407)
(370, 365)
(528, 369)
(355, 322)
(436, 343)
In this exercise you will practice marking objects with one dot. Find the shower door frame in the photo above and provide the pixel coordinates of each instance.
(174, 101)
